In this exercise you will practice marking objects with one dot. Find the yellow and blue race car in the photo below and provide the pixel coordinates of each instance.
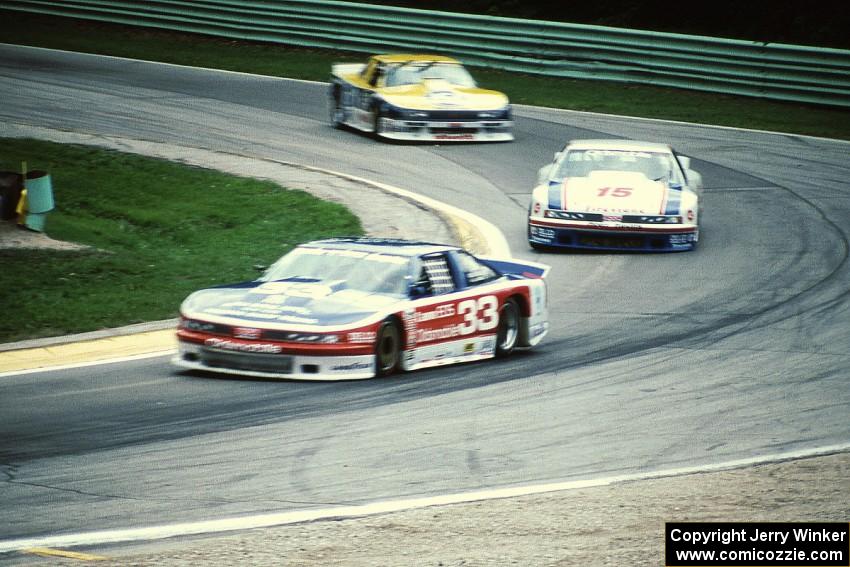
(417, 97)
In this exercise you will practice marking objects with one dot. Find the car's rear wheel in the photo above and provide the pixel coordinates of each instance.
(508, 332)
(337, 113)
(388, 348)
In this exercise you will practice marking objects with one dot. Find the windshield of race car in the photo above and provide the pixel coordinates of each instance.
(413, 73)
(362, 271)
(656, 166)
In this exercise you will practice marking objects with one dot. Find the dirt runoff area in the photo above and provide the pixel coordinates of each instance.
(13, 235)
(616, 525)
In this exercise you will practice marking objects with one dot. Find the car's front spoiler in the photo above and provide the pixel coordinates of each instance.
(642, 239)
(466, 131)
(292, 367)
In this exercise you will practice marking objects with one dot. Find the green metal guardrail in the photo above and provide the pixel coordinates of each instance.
(776, 71)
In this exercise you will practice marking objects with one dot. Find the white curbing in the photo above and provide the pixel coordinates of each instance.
(491, 238)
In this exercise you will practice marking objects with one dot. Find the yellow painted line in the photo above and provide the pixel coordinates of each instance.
(88, 351)
(47, 552)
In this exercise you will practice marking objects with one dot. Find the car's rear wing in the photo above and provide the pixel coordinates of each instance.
(340, 69)
(520, 268)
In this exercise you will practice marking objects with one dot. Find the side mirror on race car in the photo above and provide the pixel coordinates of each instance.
(420, 289)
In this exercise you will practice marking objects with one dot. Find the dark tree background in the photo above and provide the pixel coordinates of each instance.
(813, 22)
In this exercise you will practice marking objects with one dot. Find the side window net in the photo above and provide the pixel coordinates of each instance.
(438, 272)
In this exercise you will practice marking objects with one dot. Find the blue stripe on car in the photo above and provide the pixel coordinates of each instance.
(554, 195)
(674, 200)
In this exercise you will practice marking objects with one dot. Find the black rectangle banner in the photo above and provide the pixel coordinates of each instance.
(757, 544)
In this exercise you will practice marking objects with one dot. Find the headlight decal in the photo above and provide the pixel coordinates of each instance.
(297, 337)
(653, 219)
(499, 114)
(203, 327)
(568, 215)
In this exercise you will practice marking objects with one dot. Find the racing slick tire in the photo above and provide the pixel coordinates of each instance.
(508, 331)
(388, 348)
(378, 125)
(337, 113)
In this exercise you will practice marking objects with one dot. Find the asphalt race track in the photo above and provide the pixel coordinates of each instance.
(737, 350)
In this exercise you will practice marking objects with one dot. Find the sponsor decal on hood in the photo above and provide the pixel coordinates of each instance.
(435, 94)
(615, 194)
(297, 302)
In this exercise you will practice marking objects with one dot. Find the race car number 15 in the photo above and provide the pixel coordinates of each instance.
(480, 314)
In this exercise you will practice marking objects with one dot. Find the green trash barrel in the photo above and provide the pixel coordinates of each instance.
(36, 221)
(39, 199)
(39, 192)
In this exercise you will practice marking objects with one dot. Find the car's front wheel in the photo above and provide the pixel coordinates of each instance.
(508, 332)
(378, 127)
(388, 348)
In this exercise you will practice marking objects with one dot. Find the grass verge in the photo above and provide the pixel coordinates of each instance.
(156, 231)
(282, 61)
